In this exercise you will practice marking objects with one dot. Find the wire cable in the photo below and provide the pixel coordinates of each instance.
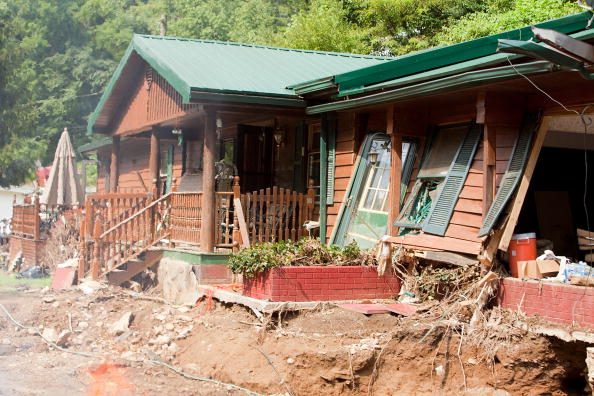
(152, 361)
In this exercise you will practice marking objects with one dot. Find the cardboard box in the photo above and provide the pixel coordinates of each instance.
(538, 269)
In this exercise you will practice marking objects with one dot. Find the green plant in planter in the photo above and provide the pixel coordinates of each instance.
(307, 252)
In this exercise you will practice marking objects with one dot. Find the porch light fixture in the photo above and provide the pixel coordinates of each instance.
(176, 131)
(279, 136)
(372, 157)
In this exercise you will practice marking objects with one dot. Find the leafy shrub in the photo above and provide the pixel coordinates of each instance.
(307, 252)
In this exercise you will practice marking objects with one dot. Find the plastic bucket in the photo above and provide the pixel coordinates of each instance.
(522, 247)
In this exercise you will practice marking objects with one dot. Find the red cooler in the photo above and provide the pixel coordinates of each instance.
(522, 247)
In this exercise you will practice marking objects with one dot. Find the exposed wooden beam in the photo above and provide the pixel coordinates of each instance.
(518, 201)
(114, 171)
(395, 170)
(207, 229)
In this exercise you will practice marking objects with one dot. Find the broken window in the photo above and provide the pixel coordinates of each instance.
(445, 149)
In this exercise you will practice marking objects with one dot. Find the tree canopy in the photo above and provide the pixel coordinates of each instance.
(56, 56)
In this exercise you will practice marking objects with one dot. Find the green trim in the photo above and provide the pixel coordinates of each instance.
(331, 148)
(196, 258)
(354, 188)
(313, 86)
(539, 51)
(444, 56)
(197, 96)
(459, 81)
(408, 166)
(169, 180)
(323, 175)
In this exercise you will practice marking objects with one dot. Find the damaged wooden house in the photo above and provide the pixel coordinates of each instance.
(447, 152)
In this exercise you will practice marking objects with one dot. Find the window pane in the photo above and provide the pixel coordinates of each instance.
(405, 150)
(379, 200)
(442, 151)
(385, 181)
(369, 199)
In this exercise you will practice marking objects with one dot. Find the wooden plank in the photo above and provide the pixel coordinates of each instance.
(469, 206)
(470, 192)
(474, 179)
(466, 219)
(245, 239)
(489, 167)
(516, 205)
(395, 175)
(447, 257)
(436, 242)
(463, 232)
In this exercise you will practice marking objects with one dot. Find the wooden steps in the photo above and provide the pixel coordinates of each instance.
(134, 266)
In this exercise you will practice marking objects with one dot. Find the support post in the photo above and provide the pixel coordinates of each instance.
(154, 163)
(207, 229)
(395, 171)
(96, 250)
(37, 230)
(323, 176)
(236, 233)
(115, 164)
(489, 151)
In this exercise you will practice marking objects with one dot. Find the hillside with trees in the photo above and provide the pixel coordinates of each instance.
(56, 56)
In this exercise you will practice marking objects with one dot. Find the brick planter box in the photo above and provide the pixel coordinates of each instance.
(556, 302)
(321, 284)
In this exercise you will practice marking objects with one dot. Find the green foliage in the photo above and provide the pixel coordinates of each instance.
(56, 56)
(307, 252)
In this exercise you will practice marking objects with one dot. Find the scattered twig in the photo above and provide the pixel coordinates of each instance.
(280, 377)
(460, 358)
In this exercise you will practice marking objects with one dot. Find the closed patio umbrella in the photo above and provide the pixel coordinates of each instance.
(63, 186)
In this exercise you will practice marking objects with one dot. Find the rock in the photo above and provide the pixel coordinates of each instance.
(472, 361)
(44, 290)
(169, 326)
(172, 347)
(290, 360)
(162, 339)
(122, 324)
(135, 286)
(157, 329)
(83, 325)
(49, 299)
(590, 365)
(161, 317)
(178, 281)
(50, 335)
(32, 331)
(184, 318)
(55, 304)
(63, 338)
(440, 371)
(6, 341)
(183, 309)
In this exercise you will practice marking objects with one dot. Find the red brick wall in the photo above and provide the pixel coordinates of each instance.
(556, 302)
(321, 284)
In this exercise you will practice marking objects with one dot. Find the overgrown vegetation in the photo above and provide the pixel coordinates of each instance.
(56, 56)
(307, 252)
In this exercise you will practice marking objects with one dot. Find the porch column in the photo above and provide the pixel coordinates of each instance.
(395, 171)
(489, 153)
(207, 229)
(154, 162)
(115, 164)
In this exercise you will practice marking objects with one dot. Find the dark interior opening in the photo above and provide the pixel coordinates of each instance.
(554, 205)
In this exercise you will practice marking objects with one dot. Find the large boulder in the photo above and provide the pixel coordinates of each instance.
(178, 281)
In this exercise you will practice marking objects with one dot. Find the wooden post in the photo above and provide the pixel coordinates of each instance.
(96, 250)
(37, 229)
(489, 152)
(115, 164)
(82, 260)
(236, 233)
(207, 229)
(395, 171)
(154, 163)
(311, 200)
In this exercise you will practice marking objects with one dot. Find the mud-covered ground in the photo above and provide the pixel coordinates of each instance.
(329, 351)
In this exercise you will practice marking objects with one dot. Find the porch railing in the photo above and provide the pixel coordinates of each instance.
(119, 228)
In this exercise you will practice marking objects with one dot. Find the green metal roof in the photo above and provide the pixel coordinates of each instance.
(247, 73)
(457, 55)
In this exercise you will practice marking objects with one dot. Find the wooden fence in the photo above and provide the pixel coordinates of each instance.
(26, 222)
(119, 227)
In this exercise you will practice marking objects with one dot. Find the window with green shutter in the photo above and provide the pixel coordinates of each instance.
(513, 173)
(331, 163)
(440, 179)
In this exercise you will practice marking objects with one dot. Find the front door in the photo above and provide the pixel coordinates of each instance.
(364, 218)
(255, 157)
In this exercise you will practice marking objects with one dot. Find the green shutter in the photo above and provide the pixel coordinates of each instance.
(331, 148)
(438, 220)
(513, 173)
(169, 168)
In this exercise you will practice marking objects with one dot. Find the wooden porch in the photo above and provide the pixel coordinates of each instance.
(119, 227)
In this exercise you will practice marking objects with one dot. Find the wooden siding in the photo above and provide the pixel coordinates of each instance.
(346, 157)
(135, 158)
(151, 101)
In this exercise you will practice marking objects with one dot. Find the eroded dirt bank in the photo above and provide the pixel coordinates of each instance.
(328, 351)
